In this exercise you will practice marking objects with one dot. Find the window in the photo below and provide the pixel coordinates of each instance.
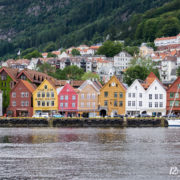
(105, 94)
(150, 104)
(121, 95)
(73, 105)
(150, 96)
(171, 103)
(88, 96)
(134, 95)
(3, 77)
(177, 95)
(82, 104)
(61, 105)
(120, 103)
(73, 97)
(38, 94)
(52, 103)
(43, 94)
(66, 105)
(156, 104)
(14, 103)
(140, 95)
(47, 103)
(82, 96)
(161, 104)
(88, 104)
(45, 87)
(38, 103)
(22, 94)
(43, 103)
(129, 103)
(27, 103)
(176, 103)
(133, 103)
(129, 94)
(62, 97)
(115, 94)
(171, 95)
(93, 104)
(22, 103)
(140, 103)
(13, 94)
(160, 96)
(156, 96)
(66, 97)
(93, 96)
(52, 94)
(105, 103)
(47, 94)
(115, 103)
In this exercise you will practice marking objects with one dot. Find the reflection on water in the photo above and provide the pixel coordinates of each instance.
(134, 153)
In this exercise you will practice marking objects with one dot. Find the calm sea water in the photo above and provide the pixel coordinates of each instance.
(89, 153)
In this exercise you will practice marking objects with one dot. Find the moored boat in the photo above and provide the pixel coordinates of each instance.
(174, 122)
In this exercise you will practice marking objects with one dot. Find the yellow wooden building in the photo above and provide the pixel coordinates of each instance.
(112, 98)
(45, 98)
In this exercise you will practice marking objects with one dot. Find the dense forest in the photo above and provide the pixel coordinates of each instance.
(29, 24)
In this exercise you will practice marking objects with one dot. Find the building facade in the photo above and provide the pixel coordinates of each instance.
(173, 98)
(45, 98)
(21, 102)
(88, 98)
(67, 101)
(112, 98)
(135, 98)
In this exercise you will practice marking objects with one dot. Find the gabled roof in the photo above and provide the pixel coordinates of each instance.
(96, 87)
(114, 77)
(11, 72)
(173, 84)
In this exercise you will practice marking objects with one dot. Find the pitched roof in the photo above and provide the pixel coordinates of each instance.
(29, 86)
(11, 72)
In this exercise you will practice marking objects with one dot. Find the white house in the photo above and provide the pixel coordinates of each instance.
(165, 41)
(155, 99)
(122, 60)
(135, 98)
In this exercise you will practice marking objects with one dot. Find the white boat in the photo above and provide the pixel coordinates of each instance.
(173, 122)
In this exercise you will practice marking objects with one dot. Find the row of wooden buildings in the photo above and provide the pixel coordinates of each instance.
(29, 92)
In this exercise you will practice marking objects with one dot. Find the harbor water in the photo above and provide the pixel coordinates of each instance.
(90, 153)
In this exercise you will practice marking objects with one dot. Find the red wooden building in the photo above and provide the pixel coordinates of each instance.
(67, 100)
(21, 103)
(173, 97)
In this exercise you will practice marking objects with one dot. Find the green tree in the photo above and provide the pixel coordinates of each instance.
(75, 52)
(33, 54)
(135, 72)
(51, 55)
(50, 47)
(46, 68)
(110, 48)
(178, 71)
(69, 73)
(90, 75)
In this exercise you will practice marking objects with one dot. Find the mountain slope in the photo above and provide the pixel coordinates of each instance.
(30, 23)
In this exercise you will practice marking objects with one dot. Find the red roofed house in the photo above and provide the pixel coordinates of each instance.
(67, 100)
(21, 103)
(173, 97)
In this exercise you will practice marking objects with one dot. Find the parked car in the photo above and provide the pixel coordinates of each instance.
(145, 115)
(57, 115)
(119, 115)
(41, 114)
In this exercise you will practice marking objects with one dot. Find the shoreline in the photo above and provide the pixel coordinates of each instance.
(83, 122)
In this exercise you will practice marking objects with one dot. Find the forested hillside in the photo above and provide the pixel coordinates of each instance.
(63, 23)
